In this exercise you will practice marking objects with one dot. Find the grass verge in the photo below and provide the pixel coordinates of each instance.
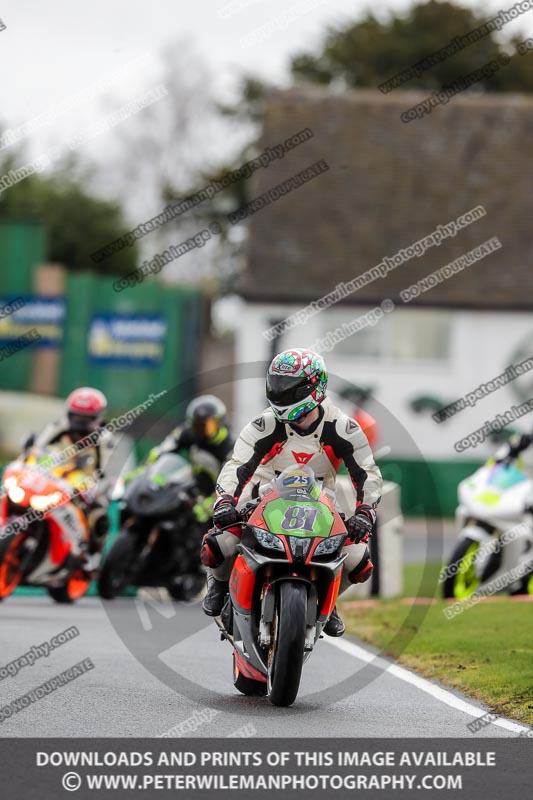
(486, 651)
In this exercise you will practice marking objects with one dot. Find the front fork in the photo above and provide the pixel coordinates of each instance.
(268, 604)
(242, 586)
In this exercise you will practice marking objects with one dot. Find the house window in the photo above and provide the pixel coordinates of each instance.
(402, 335)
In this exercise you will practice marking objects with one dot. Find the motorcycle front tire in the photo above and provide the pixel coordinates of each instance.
(285, 669)
(116, 569)
(461, 581)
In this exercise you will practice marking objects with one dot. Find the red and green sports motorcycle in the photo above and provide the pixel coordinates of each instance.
(284, 584)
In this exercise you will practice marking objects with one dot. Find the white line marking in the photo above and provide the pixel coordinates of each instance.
(423, 684)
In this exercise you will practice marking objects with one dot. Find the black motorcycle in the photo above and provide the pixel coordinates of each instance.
(160, 538)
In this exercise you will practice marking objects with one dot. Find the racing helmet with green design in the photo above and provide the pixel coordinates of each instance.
(296, 384)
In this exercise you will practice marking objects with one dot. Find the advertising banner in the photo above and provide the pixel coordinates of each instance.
(127, 339)
(46, 315)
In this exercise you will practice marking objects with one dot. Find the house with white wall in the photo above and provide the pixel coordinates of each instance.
(429, 220)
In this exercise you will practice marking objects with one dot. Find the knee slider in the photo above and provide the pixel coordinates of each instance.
(363, 571)
(210, 554)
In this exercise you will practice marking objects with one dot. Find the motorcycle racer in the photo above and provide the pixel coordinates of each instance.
(205, 433)
(301, 426)
(84, 415)
(517, 444)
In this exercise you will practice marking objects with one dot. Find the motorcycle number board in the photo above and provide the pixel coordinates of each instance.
(298, 519)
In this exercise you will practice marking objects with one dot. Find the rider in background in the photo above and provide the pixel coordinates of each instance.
(302, 426)
(358, 397)
(207, 442)
(516, 445)
(84, 415)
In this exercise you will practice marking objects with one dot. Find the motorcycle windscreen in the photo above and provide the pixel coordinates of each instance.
(154, 491)
(169, 468)
(300, 481)
(505, 476)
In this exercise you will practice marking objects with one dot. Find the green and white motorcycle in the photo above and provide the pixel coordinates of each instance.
(494, 551)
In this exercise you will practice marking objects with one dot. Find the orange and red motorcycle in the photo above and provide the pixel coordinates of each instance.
(43, 528)
(284, 584)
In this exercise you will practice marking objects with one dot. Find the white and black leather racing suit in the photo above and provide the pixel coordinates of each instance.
(266, 447)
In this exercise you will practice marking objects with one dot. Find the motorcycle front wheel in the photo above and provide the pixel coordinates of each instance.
(78, 584)
(286, 656)
(117, 568)
(186, 588)
(10, 572)
(462, 579)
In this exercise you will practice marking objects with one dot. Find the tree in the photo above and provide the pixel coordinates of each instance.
(159, 152)
(76, 221)
(368, 52)
(168, 152)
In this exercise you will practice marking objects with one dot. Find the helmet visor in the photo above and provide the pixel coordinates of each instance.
(205, 427)
(81, 423)
(286, 389)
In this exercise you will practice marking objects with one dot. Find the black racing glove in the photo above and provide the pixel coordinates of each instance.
(360, 526)
(225, 512)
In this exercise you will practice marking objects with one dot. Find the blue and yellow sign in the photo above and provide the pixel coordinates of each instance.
(18, 315)
(127, 339)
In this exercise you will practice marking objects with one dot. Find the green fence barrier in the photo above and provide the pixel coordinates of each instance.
(22, 248)
(87, 295)
(428, 488)
(126, 386)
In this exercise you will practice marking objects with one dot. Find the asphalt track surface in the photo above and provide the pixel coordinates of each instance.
(162, 666)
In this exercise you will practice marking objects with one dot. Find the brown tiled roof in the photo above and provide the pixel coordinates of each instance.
(389, 185)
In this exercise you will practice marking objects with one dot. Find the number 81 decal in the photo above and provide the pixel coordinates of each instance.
(299, 518)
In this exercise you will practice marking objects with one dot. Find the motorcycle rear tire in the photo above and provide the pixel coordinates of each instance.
(287, 661)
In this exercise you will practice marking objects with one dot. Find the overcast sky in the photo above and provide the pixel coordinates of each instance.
(51, 49)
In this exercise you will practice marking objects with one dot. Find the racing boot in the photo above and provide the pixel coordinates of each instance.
(216, 594)
(334, 626)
